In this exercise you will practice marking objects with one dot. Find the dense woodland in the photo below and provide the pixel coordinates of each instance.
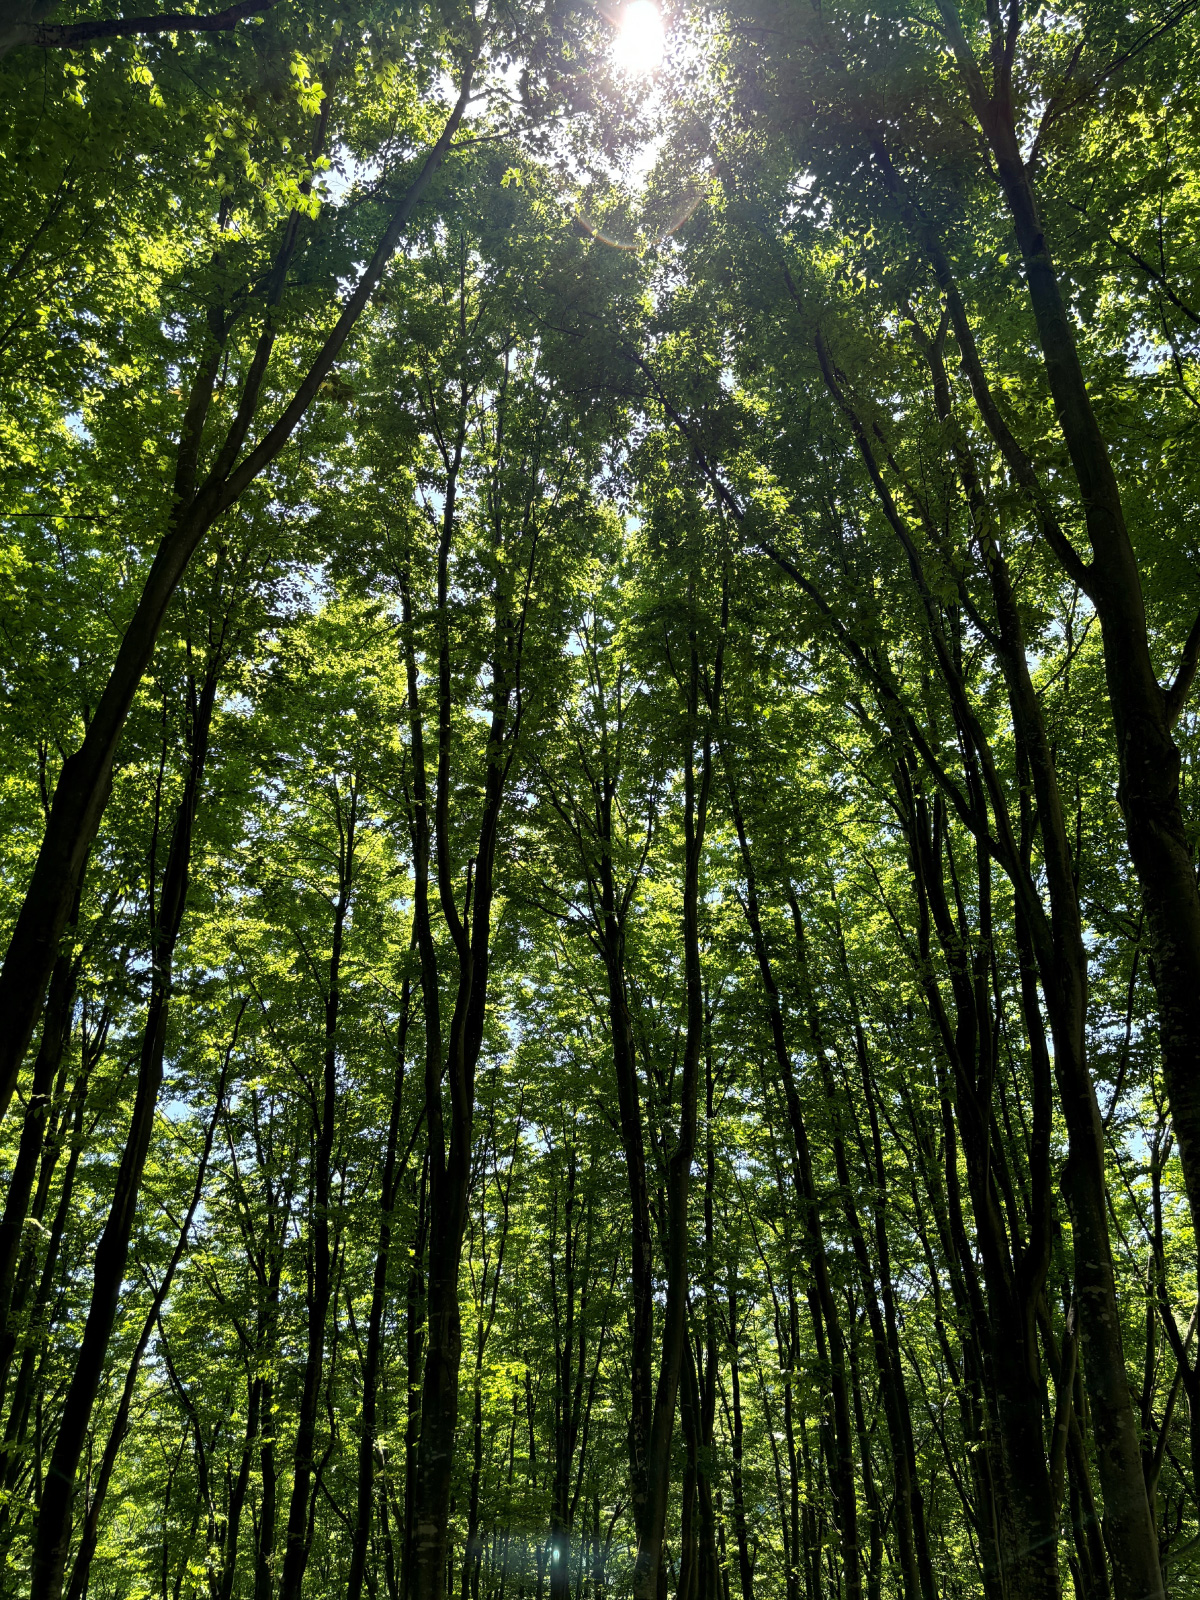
(598, 617)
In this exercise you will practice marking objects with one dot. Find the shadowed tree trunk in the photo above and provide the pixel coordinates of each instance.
(321, 1247)
(54, 1514)
(388, 1192)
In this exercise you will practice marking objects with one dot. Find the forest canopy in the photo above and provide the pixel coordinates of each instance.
(599, 608)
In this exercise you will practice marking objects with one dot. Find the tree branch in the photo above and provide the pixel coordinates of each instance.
(1185, 675)
(70, 35)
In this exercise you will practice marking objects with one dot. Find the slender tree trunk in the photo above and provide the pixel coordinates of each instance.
(648, 1564)
(737, 1482)
(29, 1370)
(687, 1583)
(56, 1030)
(321, 1249)
(570, 1359)
(237, 1497)
(65, 1129)
(453, 1061)
(81, 1567)
(633, 1145)
(706, 1361)
(610, 927)
(473, 1544)
(443, 1353)
(939, 1170)
(875, 1514)
(699, 1562)
(264, 1553)
(414, 1350)
(367, 1443)
(54, 1514)
(915, 1565)
(911, 1509)
(1023, 1503)
(489, 1287)
(842, 1466)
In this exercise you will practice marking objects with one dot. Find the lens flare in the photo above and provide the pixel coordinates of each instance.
(640, 41)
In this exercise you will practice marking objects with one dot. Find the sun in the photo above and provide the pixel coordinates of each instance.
(638, 47)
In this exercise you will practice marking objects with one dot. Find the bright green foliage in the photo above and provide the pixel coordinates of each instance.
(724, 502)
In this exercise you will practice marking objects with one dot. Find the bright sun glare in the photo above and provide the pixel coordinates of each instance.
(639, 44)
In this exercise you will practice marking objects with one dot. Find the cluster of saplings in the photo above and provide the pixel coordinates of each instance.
(598, 873)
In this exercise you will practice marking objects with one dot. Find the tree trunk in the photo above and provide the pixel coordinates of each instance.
(414, 1351)
(237, 1497)
(737, 1484)
(54, 1515)
(647, 1570)
(321, 1249)
(56, 1030)
(842, 1466)
(454, 1059)
(388, 1189)
(81, 1567)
